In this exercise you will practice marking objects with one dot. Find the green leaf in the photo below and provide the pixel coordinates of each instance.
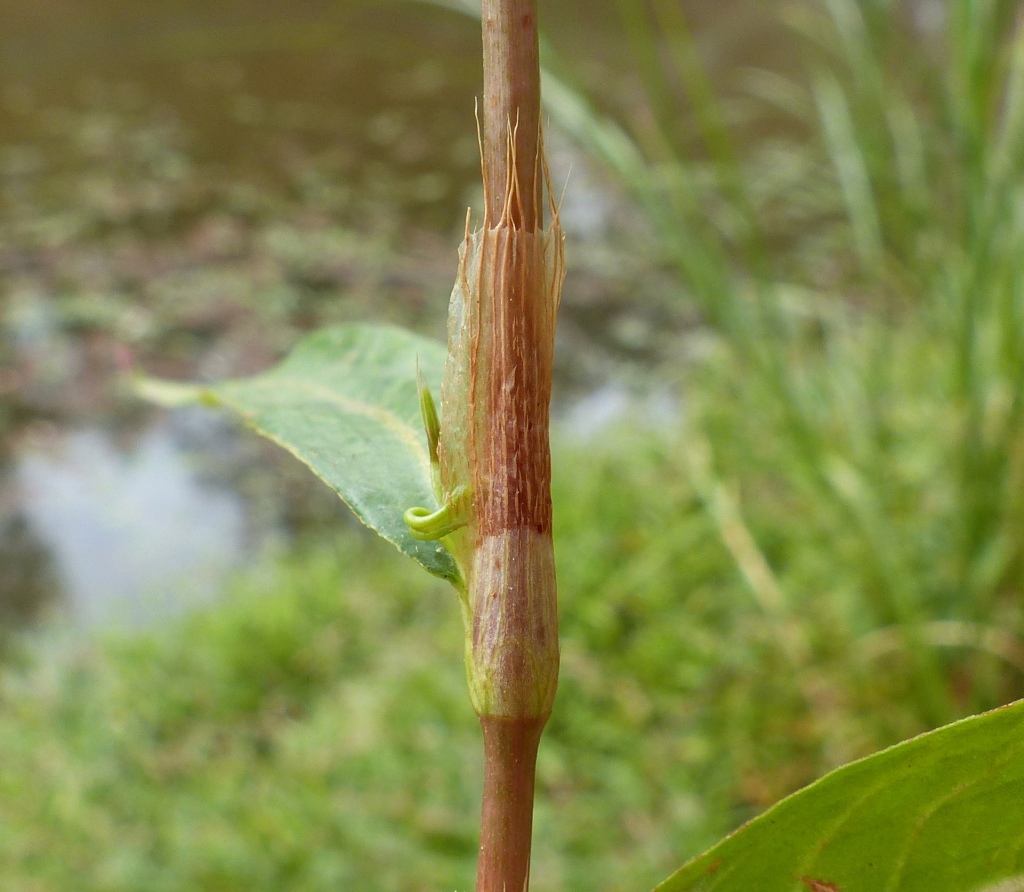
(345, 403)
(943, 812)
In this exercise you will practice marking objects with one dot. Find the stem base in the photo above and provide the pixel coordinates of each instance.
(506, 825)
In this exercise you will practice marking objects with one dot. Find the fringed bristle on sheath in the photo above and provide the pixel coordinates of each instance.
(494, 440)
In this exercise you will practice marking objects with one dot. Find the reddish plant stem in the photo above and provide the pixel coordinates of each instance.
(506, 827)
(513, 497)
(511, 99)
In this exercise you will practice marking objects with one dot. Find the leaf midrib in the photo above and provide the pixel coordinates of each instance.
(406, 434)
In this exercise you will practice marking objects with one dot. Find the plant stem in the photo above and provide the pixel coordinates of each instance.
(514, 648)
(506, 824)
(511, 99)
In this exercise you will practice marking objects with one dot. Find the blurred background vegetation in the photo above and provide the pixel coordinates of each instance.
(788, 446)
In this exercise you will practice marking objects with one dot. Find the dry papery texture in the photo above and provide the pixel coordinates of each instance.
(494, 446)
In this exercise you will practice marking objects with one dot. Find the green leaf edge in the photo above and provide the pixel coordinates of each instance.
(703, 865)
(176, 394)
(451, 574)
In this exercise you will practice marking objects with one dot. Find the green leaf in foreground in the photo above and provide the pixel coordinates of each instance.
(943, 812)
(345, 404)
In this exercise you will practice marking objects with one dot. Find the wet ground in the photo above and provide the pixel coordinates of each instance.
(188, 187)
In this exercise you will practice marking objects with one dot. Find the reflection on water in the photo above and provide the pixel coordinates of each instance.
(133, 535)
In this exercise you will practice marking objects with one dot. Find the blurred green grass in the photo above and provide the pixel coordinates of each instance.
(860, 264)
(824, 557)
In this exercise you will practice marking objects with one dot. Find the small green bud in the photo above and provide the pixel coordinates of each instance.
(432, 428)
(431, 423)
(430, 525)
